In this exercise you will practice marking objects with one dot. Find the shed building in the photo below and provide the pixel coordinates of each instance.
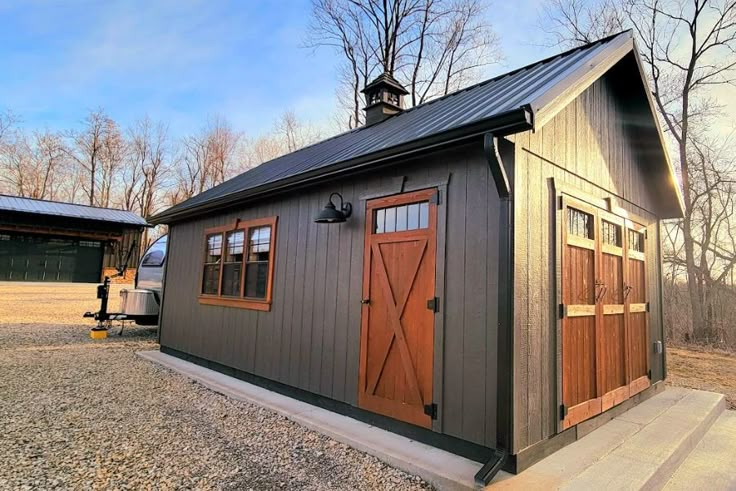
(494, 283)
(64, 242)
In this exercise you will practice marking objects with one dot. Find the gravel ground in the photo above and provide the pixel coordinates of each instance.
(82, 414)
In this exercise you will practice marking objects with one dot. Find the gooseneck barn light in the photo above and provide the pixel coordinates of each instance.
(330, 214)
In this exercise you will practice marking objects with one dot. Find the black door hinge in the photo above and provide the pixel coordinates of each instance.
(431, 410)
(647, 306)
(649, 374)
(433, 304)
(563, 411)
(562, 311)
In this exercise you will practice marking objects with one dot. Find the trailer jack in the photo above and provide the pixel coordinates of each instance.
(103, 317)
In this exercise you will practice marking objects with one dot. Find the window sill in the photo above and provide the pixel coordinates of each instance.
(239, 303)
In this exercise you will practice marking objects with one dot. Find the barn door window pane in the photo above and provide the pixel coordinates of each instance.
(611, 233)
(212, 263)
(579, 223)
(380, 221)
(413, 216)
(258, 262)
(391, 219)
(402, 218)
(636, 241)
(233, 263)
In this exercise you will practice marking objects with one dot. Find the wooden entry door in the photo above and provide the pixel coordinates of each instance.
(397, 331)
(604, 325)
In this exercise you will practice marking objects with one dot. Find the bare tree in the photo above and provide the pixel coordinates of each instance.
(575, 22)
(689, 47)
(87, 148)
(48, 159)
(29, 165)
(208, 159)
(112, 156)
(432, 46)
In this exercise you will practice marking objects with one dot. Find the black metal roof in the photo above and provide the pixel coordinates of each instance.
(509, 100)
(69, 210)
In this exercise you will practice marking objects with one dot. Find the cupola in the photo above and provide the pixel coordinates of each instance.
(384, 97)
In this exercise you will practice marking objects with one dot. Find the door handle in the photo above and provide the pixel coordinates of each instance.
(602, 292)
(627, 290)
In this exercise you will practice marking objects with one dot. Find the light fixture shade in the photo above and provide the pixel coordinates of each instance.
(330, 214)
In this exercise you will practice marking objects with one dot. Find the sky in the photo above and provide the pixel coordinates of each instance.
(181, 62)
(184, 61)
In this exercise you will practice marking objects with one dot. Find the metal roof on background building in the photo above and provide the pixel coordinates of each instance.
(523, 90)
(70, 210)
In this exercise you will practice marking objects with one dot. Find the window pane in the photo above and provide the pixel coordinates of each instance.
(231, 279)
(234, 249)
(380, 221)
(260, 244)
(390, 220)
(636, 241)
(256, 280)
(611, 234)
(156, 254)
(413, 216)
(579, 223)
(214, 248)
(210, 278)
(424, 215)
(400, 218)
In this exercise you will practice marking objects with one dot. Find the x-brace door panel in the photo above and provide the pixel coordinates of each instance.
(397, 331)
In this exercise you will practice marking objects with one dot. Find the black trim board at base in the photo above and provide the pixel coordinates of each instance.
(472, 451)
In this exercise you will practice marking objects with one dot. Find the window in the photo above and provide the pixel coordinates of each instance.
(611, 233)
(402, 218)
(155, 255)
(636, 241)
(238, 264)
(579, 223)
(213, 255)
(256, 269)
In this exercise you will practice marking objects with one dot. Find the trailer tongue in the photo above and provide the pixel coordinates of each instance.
(140, 305)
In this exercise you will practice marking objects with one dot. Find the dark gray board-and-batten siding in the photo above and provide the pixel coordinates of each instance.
(589, 146)
(311, 337)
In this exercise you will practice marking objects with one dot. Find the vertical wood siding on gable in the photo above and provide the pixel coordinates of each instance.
(587, 142)
(311, 337)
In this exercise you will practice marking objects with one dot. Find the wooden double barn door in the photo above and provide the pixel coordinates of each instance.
(604, 333)
(397, 331)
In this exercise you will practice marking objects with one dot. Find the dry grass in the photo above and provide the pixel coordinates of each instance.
(698, 368)
(57, 303)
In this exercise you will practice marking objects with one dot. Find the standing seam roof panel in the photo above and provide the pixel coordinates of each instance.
(466, 106)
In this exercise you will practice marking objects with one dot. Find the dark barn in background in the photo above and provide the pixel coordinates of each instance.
(63, 242)
(494, 283)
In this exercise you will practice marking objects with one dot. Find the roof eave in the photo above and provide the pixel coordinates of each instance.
(514, 121)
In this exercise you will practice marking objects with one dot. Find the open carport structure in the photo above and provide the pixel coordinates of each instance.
(52, 241)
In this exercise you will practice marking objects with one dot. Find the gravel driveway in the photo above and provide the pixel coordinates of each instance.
(82, 414)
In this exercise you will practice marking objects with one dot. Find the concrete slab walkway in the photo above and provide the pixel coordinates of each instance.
(639, 449)
(713, 461)
(647, 447)
(442, 469)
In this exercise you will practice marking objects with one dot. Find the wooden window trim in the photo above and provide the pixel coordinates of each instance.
(241, 302)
